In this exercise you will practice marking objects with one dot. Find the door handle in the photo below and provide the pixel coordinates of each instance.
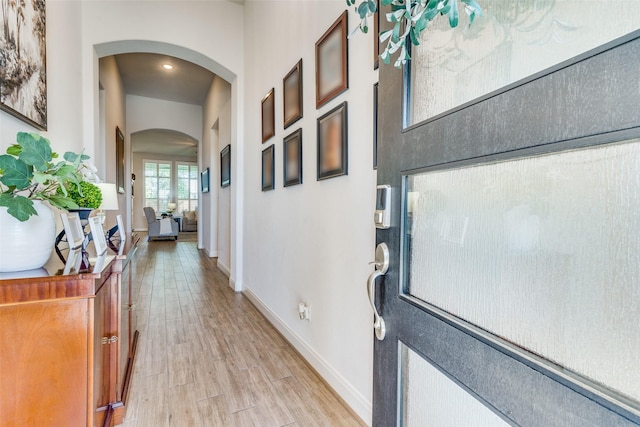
(381, 266)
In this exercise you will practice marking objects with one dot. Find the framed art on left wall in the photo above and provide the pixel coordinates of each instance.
(23, 74)
(119, 160)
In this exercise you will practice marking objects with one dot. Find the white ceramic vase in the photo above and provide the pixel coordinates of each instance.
(26, 245)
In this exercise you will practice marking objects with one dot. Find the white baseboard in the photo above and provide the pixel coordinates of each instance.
(226, 270)
(213, 254)
(359, 403)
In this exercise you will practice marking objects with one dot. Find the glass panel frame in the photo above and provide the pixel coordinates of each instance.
(593, 47)
(539, 362)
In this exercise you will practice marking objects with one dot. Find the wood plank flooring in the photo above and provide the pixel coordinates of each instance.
(207, 357)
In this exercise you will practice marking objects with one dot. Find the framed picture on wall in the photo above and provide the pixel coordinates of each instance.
(204, 180)
(332, 143)
(292, 95)
(292, 162)
(225, 166)
(376, 39)
(332, 62)
(23, 75)
(119, 160)
(268, 169)
(268, 116)
(375, 126)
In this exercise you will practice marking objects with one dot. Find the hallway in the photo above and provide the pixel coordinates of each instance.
(207, 357)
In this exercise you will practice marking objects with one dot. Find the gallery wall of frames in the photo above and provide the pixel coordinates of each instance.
(331, 139)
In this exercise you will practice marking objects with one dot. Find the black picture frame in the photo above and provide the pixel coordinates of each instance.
(30, 36)
(268, 108)
(120, 160)
(292, 95)
(268, 168)
(333, 144)
(292, 159)
(332, 62)
(204, 180)
(375, 126)
(225, 166)
(376, 39)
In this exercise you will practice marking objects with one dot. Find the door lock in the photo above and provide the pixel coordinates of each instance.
(381, 266)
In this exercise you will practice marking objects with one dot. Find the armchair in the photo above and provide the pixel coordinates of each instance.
(190, 221)
(154, 226)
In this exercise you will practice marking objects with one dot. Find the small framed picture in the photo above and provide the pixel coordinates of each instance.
(332, 62)
(119, 160)
(97, 233)
(268, 116)
(375, 126)
(376, 39)
(204, 180)
(332, 143)
(293, 159)
(121, 229)
(292, 95)
(225, 166)
(268, 170)
(73, 229)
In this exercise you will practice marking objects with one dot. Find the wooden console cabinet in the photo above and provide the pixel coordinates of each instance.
(67, 344)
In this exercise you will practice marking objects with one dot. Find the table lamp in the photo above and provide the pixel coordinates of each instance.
(109, 200)
(171, 207)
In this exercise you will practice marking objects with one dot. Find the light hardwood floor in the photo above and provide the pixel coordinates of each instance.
(207, 357)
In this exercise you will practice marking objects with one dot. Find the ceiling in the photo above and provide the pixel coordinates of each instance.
(164, 141)
(143, 75)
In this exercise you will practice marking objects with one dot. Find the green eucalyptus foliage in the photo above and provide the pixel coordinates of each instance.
(29, 172)
(410, 18)
(85, 195)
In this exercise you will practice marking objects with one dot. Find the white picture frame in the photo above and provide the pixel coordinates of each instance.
(74, 259)
(121, 229)
(97, 232)
(73, 229)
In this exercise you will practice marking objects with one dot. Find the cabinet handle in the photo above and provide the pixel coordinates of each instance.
(109, 340)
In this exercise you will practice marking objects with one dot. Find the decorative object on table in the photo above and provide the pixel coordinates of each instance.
(410, 18)
(225, 166)
(268, 115)
(171, 206)
(86, 195)
(332, 57)
(73, 229)
(292, 95)
(375, 126)
(23, 74)
(268, 170)
(165, 228)
(97, 235)
(332, 143)
(28, 178)
(292, 162)
(119, 160)
(204, 180)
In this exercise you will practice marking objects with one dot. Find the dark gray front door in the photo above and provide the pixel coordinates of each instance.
(513, 293)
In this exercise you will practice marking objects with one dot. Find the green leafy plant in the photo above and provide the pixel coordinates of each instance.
(410, 18)
(85, 194)
(29, 172)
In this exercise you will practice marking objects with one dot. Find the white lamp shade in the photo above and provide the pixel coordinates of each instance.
(171, 206)
(109, 196)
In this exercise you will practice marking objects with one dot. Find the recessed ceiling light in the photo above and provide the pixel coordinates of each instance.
(167, 66)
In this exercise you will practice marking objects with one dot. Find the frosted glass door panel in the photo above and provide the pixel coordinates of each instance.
(542, 251)
(511, 41)
(430, 398)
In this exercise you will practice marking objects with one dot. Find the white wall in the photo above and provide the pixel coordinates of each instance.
(224, 195)
(312, 242)
(216, 114)
(114, 116)
(63, 74)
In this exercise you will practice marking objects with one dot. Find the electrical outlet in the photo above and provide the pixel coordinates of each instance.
(303, 311)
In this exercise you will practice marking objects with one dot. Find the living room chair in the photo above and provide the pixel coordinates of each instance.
(190, 221)
(155, 230)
